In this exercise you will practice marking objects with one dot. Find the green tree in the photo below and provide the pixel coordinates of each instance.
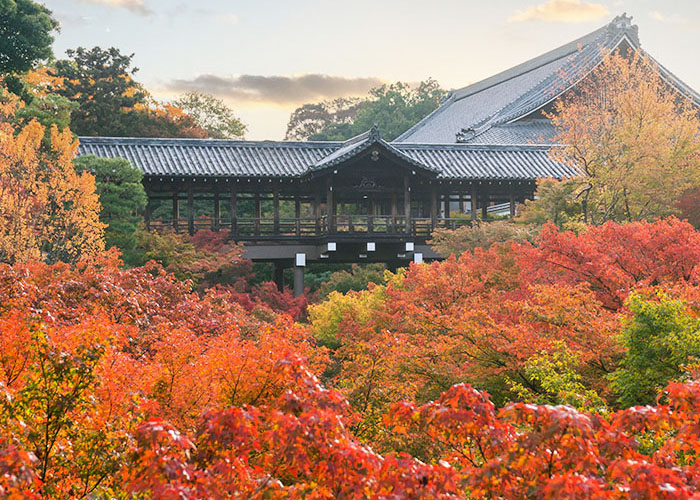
(314, 121)
(122, 197)
(111, 102)
(25, 35)
(394, 108)
(356, 279)
(555, 201)
(662, 342)
(101, 82)
(212, 114)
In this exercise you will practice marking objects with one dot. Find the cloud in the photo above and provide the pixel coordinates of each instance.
(230, 19)
(276, 89)
(561, 11)
(135, 6)
(672, 19)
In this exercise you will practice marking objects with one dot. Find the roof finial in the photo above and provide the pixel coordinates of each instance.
(374, 134)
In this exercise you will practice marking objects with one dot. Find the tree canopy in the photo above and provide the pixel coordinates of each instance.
(394, 108)
(111, 102)
(26, 29)
(632, 136)
(212, 114)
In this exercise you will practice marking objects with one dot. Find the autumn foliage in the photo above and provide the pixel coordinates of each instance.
(482, 376)
(47, 210)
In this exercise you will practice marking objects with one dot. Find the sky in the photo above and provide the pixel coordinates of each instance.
(265, 58)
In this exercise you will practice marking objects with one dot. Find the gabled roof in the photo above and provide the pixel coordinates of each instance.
(473, 111)
(353, 147)
(263, 159)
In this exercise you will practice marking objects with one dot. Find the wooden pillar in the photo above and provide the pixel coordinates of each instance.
(511, 190)
(297, 215)
(447, 205)
(394, 211)
(461, 203)
(234, 213)
(407, 202)
(176, 210)
(276, 209)
(258, 213)
(217, 215)
(190, 209)
(279, 276)
(317, 211)
(370, 215)
(330, 206)
(474, 198)
(433, 206)
(485, 204)
(147, 213)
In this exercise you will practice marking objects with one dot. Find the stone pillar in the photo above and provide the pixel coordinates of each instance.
(298, 281)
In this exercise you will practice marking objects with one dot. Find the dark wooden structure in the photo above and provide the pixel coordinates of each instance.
(355, 201)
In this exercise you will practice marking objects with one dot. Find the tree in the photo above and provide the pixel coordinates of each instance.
(394, 108)
(662, 344)
(555, 201)
(122, 198)
(49, 212)
(483, 234)
(111, 102)
(212, 114)
(25, 35)
(633, 138)
(315, 121)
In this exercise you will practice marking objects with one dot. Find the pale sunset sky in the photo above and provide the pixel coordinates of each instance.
(267, 57)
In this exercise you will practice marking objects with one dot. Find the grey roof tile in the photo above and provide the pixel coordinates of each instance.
(469, 113)
(212, 158)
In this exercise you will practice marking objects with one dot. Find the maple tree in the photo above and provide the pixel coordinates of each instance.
(633, 138)
(48, 211)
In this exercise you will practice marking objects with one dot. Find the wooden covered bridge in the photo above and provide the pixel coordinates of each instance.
(360, 200)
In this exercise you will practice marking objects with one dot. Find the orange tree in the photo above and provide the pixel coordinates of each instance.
(47, 210)
(632, 136)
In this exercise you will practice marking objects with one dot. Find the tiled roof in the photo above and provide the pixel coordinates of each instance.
(211, 158)
(469, 113)
(205, 157)
(539, 131)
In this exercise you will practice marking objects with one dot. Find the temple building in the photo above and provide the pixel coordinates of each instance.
(368, 200)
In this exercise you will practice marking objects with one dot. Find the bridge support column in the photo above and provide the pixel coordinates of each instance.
(298, 281)
(279, 276)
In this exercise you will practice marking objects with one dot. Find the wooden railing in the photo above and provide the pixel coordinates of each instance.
(264, 227)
